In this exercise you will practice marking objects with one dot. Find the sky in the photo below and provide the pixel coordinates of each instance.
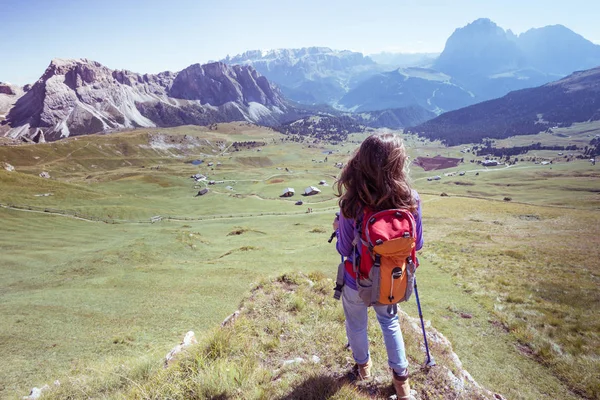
(150, 36)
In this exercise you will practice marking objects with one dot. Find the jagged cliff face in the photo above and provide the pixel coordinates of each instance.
(76, 97)
(217, 84)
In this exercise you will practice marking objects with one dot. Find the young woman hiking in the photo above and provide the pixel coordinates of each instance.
(376, 179)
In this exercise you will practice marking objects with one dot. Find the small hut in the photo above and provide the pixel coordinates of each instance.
(311, 190)
(299, 202)
(288, 192)
(202, 192)
(323, 182)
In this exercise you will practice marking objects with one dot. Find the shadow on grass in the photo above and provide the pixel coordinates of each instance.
(326, 386)
(316, 388)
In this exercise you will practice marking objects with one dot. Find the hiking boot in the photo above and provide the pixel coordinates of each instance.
(362, 371)
(401, 385)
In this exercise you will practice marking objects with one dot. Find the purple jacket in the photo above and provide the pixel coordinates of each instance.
(346, 231)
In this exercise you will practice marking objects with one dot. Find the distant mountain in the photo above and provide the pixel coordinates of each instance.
(312, 75)
(490, 62)
(395, 118)
(404, 60)
(481, 48)
(480, 61)
(75, 97)
(575, 98)
(558, 50)
(432, 90)
(336, 125)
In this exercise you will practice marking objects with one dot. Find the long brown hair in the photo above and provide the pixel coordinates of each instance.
(375, 177)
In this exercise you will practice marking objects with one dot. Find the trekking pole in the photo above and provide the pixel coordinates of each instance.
(339, 281)
(429, 362)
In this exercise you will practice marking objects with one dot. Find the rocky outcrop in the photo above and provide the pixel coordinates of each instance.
(7, 89)
(76, 97)
(9, 94)
(188, 340)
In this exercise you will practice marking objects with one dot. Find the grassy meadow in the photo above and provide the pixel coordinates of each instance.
(81, 297)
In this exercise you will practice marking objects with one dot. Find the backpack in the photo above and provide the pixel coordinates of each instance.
(385, 270)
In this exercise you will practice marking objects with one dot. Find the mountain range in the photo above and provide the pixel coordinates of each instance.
(575, 98)
(311, 75)
(75, 97)
(480, 61)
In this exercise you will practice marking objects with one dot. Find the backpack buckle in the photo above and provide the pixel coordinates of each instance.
(377, 261)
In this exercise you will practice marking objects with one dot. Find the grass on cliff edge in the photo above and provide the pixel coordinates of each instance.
(290, 318)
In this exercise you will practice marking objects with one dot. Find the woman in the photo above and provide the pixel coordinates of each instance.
(374, 178)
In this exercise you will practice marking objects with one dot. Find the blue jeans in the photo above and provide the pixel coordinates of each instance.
(355, 311)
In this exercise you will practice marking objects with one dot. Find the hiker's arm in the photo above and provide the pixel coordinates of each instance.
(419, 224)
(345, 235)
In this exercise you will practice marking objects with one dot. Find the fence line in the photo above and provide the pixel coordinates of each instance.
(153, 219)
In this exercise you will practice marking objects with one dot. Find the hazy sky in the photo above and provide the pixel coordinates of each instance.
(157, 35)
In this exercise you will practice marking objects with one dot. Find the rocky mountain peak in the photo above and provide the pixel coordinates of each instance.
(80, 96)
(479, 48)
(78, 71)
(482, 23)
(218, 83)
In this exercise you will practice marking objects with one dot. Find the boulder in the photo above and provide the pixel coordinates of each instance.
(188, 340)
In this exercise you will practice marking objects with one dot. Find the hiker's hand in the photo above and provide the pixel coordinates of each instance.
(336, 224)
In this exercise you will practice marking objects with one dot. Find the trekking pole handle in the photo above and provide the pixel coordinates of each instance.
(334, 234)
